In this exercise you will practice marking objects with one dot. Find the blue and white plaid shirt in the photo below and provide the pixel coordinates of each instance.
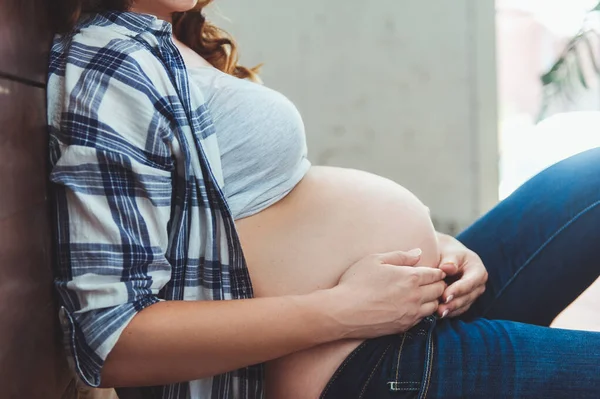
(140, 211)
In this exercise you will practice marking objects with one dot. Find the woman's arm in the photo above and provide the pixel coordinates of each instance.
(182, 341)
(112, 140)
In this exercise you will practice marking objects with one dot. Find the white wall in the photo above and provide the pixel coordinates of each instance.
(405, 89)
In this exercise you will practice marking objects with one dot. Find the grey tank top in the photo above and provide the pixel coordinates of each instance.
(261, 138)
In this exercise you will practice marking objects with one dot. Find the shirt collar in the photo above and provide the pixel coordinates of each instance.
(128, 23)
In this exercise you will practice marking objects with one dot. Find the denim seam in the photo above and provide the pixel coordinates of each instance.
(429, 359)
(429, 367)
(362, 392)
(341, 368)
(537, 252)
(399, 356)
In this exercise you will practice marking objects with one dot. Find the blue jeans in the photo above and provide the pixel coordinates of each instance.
(541, 247)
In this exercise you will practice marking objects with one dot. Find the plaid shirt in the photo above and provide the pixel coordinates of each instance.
(140, 212)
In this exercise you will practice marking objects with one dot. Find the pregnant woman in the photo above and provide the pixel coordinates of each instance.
(195, 241)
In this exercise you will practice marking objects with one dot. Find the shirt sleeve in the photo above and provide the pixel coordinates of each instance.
(112, 173)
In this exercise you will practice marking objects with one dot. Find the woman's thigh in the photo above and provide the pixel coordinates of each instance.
(503, 359)
(541, 245)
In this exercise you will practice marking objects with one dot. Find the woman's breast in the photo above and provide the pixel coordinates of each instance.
(306, 241)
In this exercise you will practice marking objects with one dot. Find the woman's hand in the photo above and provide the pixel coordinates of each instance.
(171, 341)
(385, 294)
(469, 273)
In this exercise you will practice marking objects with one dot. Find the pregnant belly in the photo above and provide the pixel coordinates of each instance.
(306, 241)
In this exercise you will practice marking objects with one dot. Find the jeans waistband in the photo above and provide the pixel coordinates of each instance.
(386, 366)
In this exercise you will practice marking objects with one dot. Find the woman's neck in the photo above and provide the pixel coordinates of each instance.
(165, 16)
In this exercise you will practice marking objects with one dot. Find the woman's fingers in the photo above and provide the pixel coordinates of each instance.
(461, 304)
(462, 287)
(470, 281)
(450, 268)
(432, 292)
(402, 258)
(428, 275)
(460, 311)
(428, 308)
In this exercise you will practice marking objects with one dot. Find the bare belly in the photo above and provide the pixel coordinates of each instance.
(305, 242)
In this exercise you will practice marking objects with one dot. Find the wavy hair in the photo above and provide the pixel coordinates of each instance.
(191, 27)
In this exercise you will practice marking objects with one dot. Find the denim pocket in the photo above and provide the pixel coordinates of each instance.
(409, 373)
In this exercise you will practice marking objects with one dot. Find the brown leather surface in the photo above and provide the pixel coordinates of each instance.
(24, 38)
(32, 364)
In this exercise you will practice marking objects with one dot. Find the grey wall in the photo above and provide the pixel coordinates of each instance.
(405, 89)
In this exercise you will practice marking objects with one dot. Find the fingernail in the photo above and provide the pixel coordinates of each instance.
(445, 313)
(451, 297)
(415, 252)
(450, 264)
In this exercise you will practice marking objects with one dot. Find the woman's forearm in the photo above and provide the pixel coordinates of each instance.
(179, 341)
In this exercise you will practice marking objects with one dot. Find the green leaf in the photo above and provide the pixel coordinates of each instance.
(548, 78)
(579, 68)
(588, 44)
(564, 81)
(552, 75)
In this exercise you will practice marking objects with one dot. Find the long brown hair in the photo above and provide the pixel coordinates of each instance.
(191, 27)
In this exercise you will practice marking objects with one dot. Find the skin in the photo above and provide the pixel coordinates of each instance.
(179, 341)
(173, 342)
(460, 262)
(163, 8)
